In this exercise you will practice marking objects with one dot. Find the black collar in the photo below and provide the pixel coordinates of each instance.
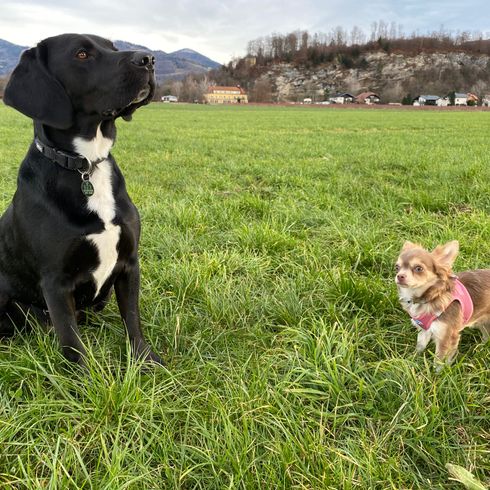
(66, 160)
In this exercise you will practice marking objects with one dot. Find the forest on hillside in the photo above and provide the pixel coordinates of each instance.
(301, 47)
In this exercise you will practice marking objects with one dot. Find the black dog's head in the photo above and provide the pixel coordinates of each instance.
(70, 75)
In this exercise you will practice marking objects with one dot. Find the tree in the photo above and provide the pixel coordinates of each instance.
(261, 91)
(357, 36)
(407, 100)
(291, 45)
(480, 89)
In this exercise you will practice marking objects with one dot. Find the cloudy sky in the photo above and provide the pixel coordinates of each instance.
(220, 29)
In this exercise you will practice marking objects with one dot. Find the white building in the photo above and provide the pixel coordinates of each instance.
(344, 98)
(426, 100)
(169, 98)
(368, 98)
(460, 99)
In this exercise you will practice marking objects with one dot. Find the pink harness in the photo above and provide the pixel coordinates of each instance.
(460, 294)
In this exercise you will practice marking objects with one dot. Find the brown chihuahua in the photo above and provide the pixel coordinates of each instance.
(440, 303)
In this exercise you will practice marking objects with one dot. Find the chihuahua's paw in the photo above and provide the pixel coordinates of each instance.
(439, 366)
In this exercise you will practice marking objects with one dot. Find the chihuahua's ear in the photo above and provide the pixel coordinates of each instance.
(445, 255)
(408, 246)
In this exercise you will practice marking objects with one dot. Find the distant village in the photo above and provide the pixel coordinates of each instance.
(452, 99)
(237, 95)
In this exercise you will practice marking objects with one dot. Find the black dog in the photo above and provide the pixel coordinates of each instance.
(71, 232)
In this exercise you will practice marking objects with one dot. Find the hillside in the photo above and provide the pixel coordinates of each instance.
(297, 65)
(392, 76)
(9, 55)
(174, 66)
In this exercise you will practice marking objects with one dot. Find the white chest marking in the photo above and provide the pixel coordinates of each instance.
(406, 296)
(103, 204)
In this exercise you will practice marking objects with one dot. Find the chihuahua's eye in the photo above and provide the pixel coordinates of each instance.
(418, 268)
(397, 268)
(82, 54)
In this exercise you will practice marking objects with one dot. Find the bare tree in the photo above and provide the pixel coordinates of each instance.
(480, 89)
(339, 36)
(261, 91)
(374, 31)
(357, 36)
(393, 30)
(291, 44)
(305, 37)
(277, 45)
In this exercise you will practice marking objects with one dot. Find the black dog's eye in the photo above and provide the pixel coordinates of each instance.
(82, 54)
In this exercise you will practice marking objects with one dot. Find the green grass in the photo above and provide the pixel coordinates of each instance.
(269, 237)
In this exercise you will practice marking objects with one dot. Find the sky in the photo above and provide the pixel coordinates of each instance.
(221, 29)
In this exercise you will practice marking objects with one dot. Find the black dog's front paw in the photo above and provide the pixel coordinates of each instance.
(143, 352)
(74, 357)
(154, 358)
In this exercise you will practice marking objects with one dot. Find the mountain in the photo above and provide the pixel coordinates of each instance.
(191, 55)
(174, 66)
(125, 46)
(9, 55)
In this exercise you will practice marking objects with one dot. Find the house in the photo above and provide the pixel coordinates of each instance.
(307, 100)
(486, 100)
(169, 98)
(368, 98)
(225, 95)
(426, 100)
(460, 99)
(472, 99)
(250, 61)
(343, 98)
(442, 101)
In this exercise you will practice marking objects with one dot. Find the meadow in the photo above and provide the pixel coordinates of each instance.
(268, 246)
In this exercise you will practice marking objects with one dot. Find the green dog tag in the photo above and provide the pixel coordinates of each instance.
(87, 188)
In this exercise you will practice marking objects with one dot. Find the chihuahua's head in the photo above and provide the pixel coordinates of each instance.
(417, 268)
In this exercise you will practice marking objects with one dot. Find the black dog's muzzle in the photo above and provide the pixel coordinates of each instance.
(141, 59)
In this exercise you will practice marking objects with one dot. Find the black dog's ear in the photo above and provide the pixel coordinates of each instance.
(35, 92)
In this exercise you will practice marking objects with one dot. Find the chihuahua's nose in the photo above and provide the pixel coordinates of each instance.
(401, 278)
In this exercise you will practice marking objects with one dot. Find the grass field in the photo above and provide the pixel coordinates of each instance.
(269, 238)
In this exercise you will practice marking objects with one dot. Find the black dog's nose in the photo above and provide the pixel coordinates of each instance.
(141, 58)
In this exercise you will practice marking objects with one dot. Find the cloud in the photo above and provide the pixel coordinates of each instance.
(217, 28)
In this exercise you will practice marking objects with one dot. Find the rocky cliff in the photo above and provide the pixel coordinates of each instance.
(392, 76)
